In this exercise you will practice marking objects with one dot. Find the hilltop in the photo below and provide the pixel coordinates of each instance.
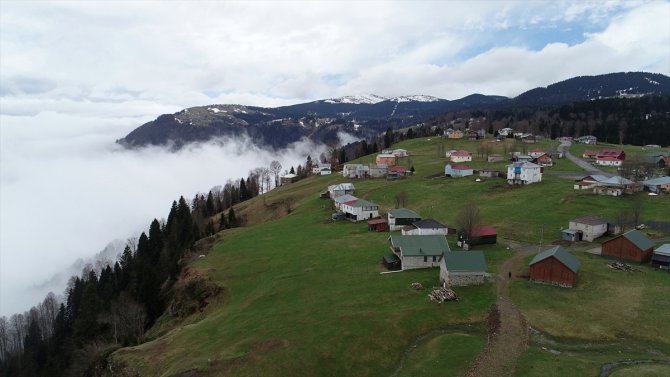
(304, 295)
(365, 116)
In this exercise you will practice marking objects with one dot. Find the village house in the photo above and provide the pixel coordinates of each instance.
(473, 135)
(658, 185)
(460, 268)
(378, 170)
(535, 153)
(494, 158)
(489, 173)
(359, 209)
(544, 160)
(589, 182)
(424, 228)
(449, 152)
(378, 225)
(481, 235)
(324, 169)
(619, 154)
(455, 171)
(401, 217)
(400, 171)
(529, 138)
(287, 179)
(590, 154)
(505, 131)
(386, 159)
(456, 134)
(518, 157)
(661, 257)
(461, 156)
(419, 251)
(586, 228)
(337, 202)
(555, 266)
(608, 161)
(616, 186)
(340, 189)
(631, 246)
(525, 173)
(355, 171)
(400, 153)
(588, 139)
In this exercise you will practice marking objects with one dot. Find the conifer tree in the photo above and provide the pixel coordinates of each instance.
(232, 219)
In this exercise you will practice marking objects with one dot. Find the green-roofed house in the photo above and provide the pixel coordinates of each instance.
(631, 246)
(555, 266)
(401, 217)
(419, 251)
(459, 268)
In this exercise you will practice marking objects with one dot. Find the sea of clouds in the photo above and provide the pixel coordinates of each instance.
(68, 190)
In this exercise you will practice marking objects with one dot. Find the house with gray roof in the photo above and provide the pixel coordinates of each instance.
(419, 251)
(359, 209)
(341, 189)
(661, 257)
(401, 217)
(657, 185)
(343, 199)
(459, 268)
(425, 227)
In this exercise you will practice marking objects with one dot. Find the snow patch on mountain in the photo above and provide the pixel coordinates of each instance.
(415, 98)
(370, 99)
(652, 81)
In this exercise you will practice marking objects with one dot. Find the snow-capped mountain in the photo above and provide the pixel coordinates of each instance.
(372, 99)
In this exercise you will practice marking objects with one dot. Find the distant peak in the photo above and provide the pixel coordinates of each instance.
(371, 99)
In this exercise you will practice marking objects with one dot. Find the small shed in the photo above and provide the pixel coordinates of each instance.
(287, 179)
(391, 261)
(489, 173)
(378, 225)
(661, 257)
(459, 268)
(555, 266)
(631, 246)
(571, 235)
(482, 235)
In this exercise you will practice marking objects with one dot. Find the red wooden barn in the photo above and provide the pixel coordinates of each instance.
(378, 225)
(555, 266)
(632, 246)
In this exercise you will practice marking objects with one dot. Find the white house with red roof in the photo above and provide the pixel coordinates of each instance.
(461, 156)
(535, 153)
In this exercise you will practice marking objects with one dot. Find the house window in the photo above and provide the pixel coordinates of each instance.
(425, 259)
(434, 258)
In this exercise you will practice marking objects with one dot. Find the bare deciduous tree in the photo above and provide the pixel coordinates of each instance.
(401, 199)
(636, 209)
(468, 218)
(275, 168)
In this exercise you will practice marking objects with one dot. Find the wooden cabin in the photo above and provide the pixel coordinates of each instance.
(631, 246)
(555, 266)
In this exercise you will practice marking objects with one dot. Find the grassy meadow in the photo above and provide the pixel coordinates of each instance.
(304, 295)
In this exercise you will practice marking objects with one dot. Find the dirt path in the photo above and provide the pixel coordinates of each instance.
(510, 341)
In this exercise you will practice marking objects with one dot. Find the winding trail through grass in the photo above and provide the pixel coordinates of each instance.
(510, 340)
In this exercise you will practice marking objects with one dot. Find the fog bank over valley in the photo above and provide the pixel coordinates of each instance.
(68, 191)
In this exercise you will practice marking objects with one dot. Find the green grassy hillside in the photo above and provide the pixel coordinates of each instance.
(304, 295)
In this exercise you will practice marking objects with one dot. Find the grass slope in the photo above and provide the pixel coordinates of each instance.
(305, 295)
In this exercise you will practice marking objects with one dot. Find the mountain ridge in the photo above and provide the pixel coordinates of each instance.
(369, 114)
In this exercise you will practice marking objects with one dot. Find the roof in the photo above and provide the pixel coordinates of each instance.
(404, 213)
(386, 155)
(610, 152)
(638, 239)
(341, 186)
(363, 203)
(544, 157)
(524, 165)
(590, 220)
(377, 221)
(428, 224)
(596, 177)
(391, 258)
(657, 181)
(562, 255)
(483, 231)
(461, 153)
(345, 198)
(536, 150)
(289, 176)
(398, 169)
(414, 246)
(465, 260)
(617, 180)
(663, 250)
(459, 167)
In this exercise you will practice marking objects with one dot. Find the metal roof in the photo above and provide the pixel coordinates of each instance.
(465, 261)
(428, 224)
(414, 246)
(657, 181)
(663, 250)
(638, 239)
(482, 231)
(590, 220)
(562, 255)
(363, 203)
(345, 198)
(404, 213)
(341, 186)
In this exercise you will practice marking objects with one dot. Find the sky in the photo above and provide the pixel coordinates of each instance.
(75, 76)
